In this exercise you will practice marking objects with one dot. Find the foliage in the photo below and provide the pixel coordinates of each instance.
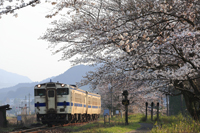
(10, 6)
(176, 124)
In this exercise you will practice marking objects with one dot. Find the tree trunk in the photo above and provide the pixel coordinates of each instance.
(193, 105)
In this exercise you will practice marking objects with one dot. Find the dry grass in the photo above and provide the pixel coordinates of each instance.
(12, 123)
(26, 120)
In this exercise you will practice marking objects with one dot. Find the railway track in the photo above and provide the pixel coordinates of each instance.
(32, 130)
(43, 129)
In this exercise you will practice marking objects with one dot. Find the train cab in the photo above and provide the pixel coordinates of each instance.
(62, 103)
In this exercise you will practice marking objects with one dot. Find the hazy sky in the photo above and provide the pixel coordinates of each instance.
(20, 50)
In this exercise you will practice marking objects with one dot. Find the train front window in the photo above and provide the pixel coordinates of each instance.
(39, 92)
(50, 93)
(62, 91)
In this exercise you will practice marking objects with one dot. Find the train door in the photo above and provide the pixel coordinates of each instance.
(86, 98)
(73, 99)
(51, 99)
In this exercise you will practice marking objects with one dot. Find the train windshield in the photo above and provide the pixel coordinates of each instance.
(62, 91)
(51, 93)
(40, 92)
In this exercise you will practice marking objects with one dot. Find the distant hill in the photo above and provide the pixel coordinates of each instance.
(8, 79)
(71, 76)
(74, 75)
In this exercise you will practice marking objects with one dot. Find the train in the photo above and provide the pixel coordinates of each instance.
(59, 103)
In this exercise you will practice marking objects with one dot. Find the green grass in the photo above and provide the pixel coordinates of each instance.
(165, 124)
(180, 124)
(171, 124)
(117, 125)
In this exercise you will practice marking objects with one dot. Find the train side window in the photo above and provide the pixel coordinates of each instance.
(62, 91)
(94, 101)
(50, 93)
(40, 92)
(83, 99)
(77, 97)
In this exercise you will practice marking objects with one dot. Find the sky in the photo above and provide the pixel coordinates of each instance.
(21, 51)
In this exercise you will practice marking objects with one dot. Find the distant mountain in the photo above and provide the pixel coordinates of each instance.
(47, 80)
(71, 76)
(74, 75)
(8, 79)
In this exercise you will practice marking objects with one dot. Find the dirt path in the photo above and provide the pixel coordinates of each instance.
(145, 128)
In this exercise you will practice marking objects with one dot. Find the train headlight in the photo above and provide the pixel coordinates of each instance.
(62, 85)
(38, 86)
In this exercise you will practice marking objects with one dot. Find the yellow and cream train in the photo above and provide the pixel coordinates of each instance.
(58, 103)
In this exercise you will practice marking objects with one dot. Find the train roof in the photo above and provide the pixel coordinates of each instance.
(74, 87)
(55, 83)
(90, 93)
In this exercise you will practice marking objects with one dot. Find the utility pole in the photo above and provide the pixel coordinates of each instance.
(152, 104)
(110, 89)
(125, 102)
(22, 110)
(25, 105)
(167, 105)
(146, 109)
(157, 111)
(111, 103)
(29, 104)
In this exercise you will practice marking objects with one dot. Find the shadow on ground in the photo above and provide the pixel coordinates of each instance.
(145, 127)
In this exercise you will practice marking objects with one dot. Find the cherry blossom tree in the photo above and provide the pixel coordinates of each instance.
(122, 82)
(10, 6)
(157, 41)
(106, 74)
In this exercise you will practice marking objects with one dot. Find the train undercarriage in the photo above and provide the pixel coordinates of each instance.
(56, 119)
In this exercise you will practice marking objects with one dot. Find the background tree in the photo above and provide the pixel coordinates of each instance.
(118, 82)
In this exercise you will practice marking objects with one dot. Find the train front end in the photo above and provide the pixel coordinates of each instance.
(51, 100)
